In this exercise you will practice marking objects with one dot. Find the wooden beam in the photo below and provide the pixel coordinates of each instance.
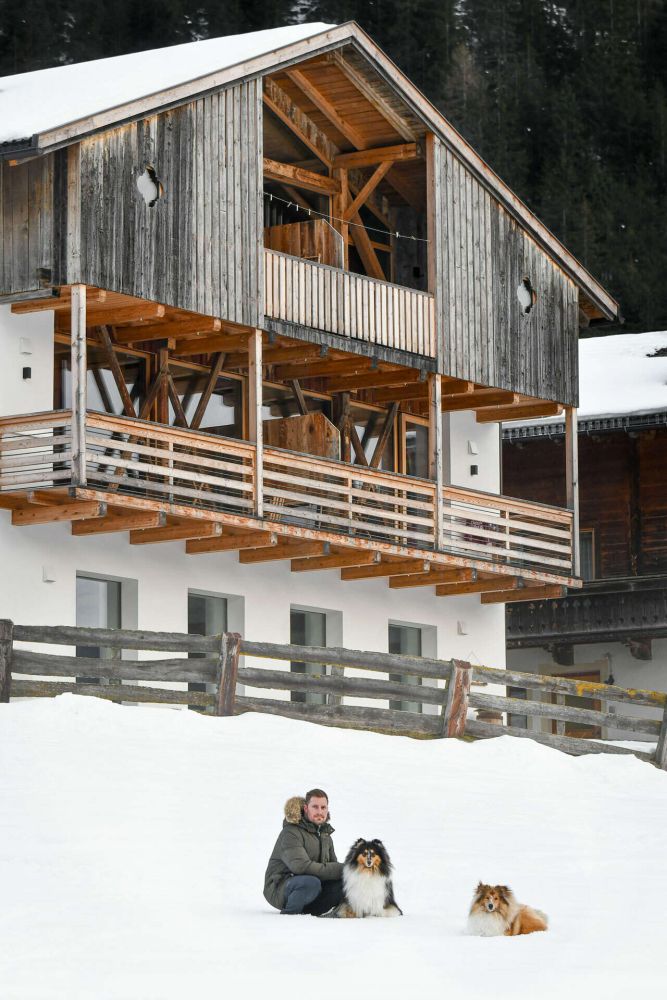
(119, 522)
(211, 383)
(436, 469)
(79, 377)
(521, 411)
(255, 423)
(299, 396)
(303, 127)
(369, 380)
(401, 567)
(231, 543)
(478, 586)
(401, 393)
(368, 188)
(479, 398)
(397, 122)
(118, 377)
(210, 345)
(153, 391)
(365, 248)
(78, 511)
(58, 302)
(300, 80)
(285, 550)
(336, 560)
(435, 576)
(357, 447)
(299, 177)
(338, 204)
(116, 315)
(524, 594)
(317, 369)
(171, 328)
(179, 414)
(385, 433)
(383, 154)
(176, 532)
(279, 355)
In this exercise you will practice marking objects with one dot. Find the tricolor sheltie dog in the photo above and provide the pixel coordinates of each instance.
(367, 888)
(495, 911)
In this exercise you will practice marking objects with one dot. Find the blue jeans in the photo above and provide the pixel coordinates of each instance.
(306, 894)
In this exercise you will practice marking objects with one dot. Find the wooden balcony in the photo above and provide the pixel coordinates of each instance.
(316, 296)
(164, 483)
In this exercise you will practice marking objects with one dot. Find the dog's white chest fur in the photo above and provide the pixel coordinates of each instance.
(366, 892)
(486, 924)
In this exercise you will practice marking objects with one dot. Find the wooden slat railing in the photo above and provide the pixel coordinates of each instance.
(350, 499)
(351, 305)
(518, 533)
(444, 697)
(195, 468)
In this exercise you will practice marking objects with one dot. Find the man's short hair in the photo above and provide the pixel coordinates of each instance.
(316, 793)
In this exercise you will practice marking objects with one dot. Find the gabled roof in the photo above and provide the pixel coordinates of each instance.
(47, 109)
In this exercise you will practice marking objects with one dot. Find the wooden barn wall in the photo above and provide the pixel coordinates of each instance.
(622, 492)
(482, 254)
(199, 248)
(26, 224)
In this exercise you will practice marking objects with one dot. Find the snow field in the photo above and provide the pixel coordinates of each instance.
(133, 844)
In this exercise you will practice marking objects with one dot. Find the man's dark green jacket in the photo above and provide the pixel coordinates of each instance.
(301, 849)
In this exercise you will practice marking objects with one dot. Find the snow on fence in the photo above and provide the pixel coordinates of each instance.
(212, 662)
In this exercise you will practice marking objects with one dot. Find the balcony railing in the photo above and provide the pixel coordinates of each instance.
(351, 305)
(316, 497)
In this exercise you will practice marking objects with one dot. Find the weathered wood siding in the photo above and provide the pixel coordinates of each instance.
(482, 255)
(26, 224)
(199, 248)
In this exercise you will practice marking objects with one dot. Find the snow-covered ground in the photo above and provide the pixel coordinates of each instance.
(133, 844)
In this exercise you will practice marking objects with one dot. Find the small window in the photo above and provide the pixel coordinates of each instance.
(98, 605)
(405, 640)
(587, 554)
(308, 628)
(207, 615)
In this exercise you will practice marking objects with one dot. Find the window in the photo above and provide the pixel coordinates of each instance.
(587, 554)
(415, 447)
(207, 615)
(98, 605)
(518, 721)
(308, 628)
(405, 640)
(369, 423)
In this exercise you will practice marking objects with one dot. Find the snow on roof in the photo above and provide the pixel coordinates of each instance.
(619, 376)
(46, 99)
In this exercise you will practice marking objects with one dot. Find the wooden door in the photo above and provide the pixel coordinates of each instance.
(578, 729)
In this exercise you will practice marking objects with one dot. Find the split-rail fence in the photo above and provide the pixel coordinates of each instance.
(441, 688)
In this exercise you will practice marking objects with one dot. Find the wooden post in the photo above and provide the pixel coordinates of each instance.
(661, 749)
(455, 707)
(79, 386)
(572, 480)
(436, 470)
(228, 667)
(6, 640)
(255, 415)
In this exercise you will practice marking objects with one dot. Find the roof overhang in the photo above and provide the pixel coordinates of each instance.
(271, 62)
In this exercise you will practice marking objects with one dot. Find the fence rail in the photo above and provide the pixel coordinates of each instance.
(351, 305)
(445, 697)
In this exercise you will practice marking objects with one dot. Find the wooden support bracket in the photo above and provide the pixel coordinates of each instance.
(337, 560)
(176, 532)
(79, 511)
(232, 543)
(119, 522)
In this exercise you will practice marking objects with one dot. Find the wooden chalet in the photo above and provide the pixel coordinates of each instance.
(259, 358)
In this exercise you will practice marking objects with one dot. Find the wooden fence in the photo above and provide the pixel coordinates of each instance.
(441, 688)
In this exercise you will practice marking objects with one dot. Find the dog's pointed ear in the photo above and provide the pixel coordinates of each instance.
(358, 841)
(504, 891)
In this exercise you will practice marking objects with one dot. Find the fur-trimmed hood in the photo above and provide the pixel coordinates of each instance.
(294, 809)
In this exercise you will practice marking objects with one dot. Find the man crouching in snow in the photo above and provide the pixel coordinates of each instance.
(303, 875)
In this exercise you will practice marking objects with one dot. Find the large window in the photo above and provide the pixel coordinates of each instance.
(207, 615)
(98, 605)
(405, 640)
(308, 628)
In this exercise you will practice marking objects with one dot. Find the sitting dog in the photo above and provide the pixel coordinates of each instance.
(367, 888)
(495, 911)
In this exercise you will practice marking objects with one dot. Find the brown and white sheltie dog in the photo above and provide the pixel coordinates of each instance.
(367, 888)
(495, 911)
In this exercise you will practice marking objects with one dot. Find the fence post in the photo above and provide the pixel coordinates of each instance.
(455, 707)
(228, 666)
(661, 749)
(6, 640)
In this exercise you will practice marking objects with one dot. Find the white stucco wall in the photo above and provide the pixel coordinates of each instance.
(25, 342)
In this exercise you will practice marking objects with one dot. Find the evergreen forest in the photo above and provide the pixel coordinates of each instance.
(566, 100)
